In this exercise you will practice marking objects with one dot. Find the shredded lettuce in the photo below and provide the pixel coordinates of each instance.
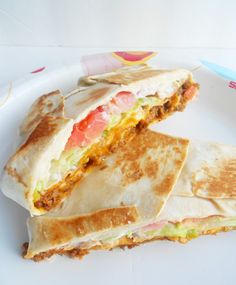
(172, 230)
(105, 133)
(191, 230)
(187, 230)
(114, 120)
(129, 234)
(150, 101)
(109, 239)
(39, 187)
(36, 195)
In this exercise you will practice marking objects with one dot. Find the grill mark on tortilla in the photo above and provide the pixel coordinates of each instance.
(130, 158)
(125, 78)
(221, 181)
(38, 110)
(94, 95)
(49, 104)
(151, 168)
(12, 172)
(63, 230)
(131, 172)
(59, 110)
(164, 187)
(46, 127)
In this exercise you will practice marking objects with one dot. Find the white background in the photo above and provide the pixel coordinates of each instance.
(36, 33)
(123, 23)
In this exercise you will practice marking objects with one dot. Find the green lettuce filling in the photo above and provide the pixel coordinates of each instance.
(150, 101)
(171, 230)
(188, 230)
(39, 187)
(114, 120)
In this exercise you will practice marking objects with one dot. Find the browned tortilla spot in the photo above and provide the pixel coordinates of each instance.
(63, 230)
(164, 187)
(12, 172)
(127, 78)
(39, 112)
(220, 182)
(46, 126)
(94, 95)
(151, 168)
(131, 172)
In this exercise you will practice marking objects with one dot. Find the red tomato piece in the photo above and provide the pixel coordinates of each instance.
(124, 101)
(88, 129)
(96, 121)
(190, 92)
(76, 139)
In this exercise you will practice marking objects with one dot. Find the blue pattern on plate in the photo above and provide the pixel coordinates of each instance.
(220, 70)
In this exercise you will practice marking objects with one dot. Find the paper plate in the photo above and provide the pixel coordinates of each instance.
(211, 117)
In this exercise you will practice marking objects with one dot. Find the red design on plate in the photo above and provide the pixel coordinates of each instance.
(38, 70)
(133, 57)
(232, 84)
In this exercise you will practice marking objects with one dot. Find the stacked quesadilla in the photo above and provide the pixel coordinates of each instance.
(155, 187)
(103, 180)
(65, 136)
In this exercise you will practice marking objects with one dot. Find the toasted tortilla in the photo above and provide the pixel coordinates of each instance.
(140, 176)
(48, 104)
(210, 171)
(33, 159)
(141, 173)
(177, 210)
(49, 124)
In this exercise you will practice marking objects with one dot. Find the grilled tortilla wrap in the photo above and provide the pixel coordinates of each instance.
(64, 136)
(128, 190)
(110, 210)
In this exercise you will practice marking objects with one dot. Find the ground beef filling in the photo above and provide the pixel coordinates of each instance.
(118, 136)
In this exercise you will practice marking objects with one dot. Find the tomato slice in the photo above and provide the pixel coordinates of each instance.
(124, 101)
(190, 92)
(88, 129)
(94, 124)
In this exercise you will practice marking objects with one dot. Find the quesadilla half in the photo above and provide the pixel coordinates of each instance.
(128, 190)
(64, 136)
(134, 198)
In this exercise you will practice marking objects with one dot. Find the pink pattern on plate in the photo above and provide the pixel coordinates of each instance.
(99, 63)
(133, 57)
(107, 62)
(38, 70)
(232, 84)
